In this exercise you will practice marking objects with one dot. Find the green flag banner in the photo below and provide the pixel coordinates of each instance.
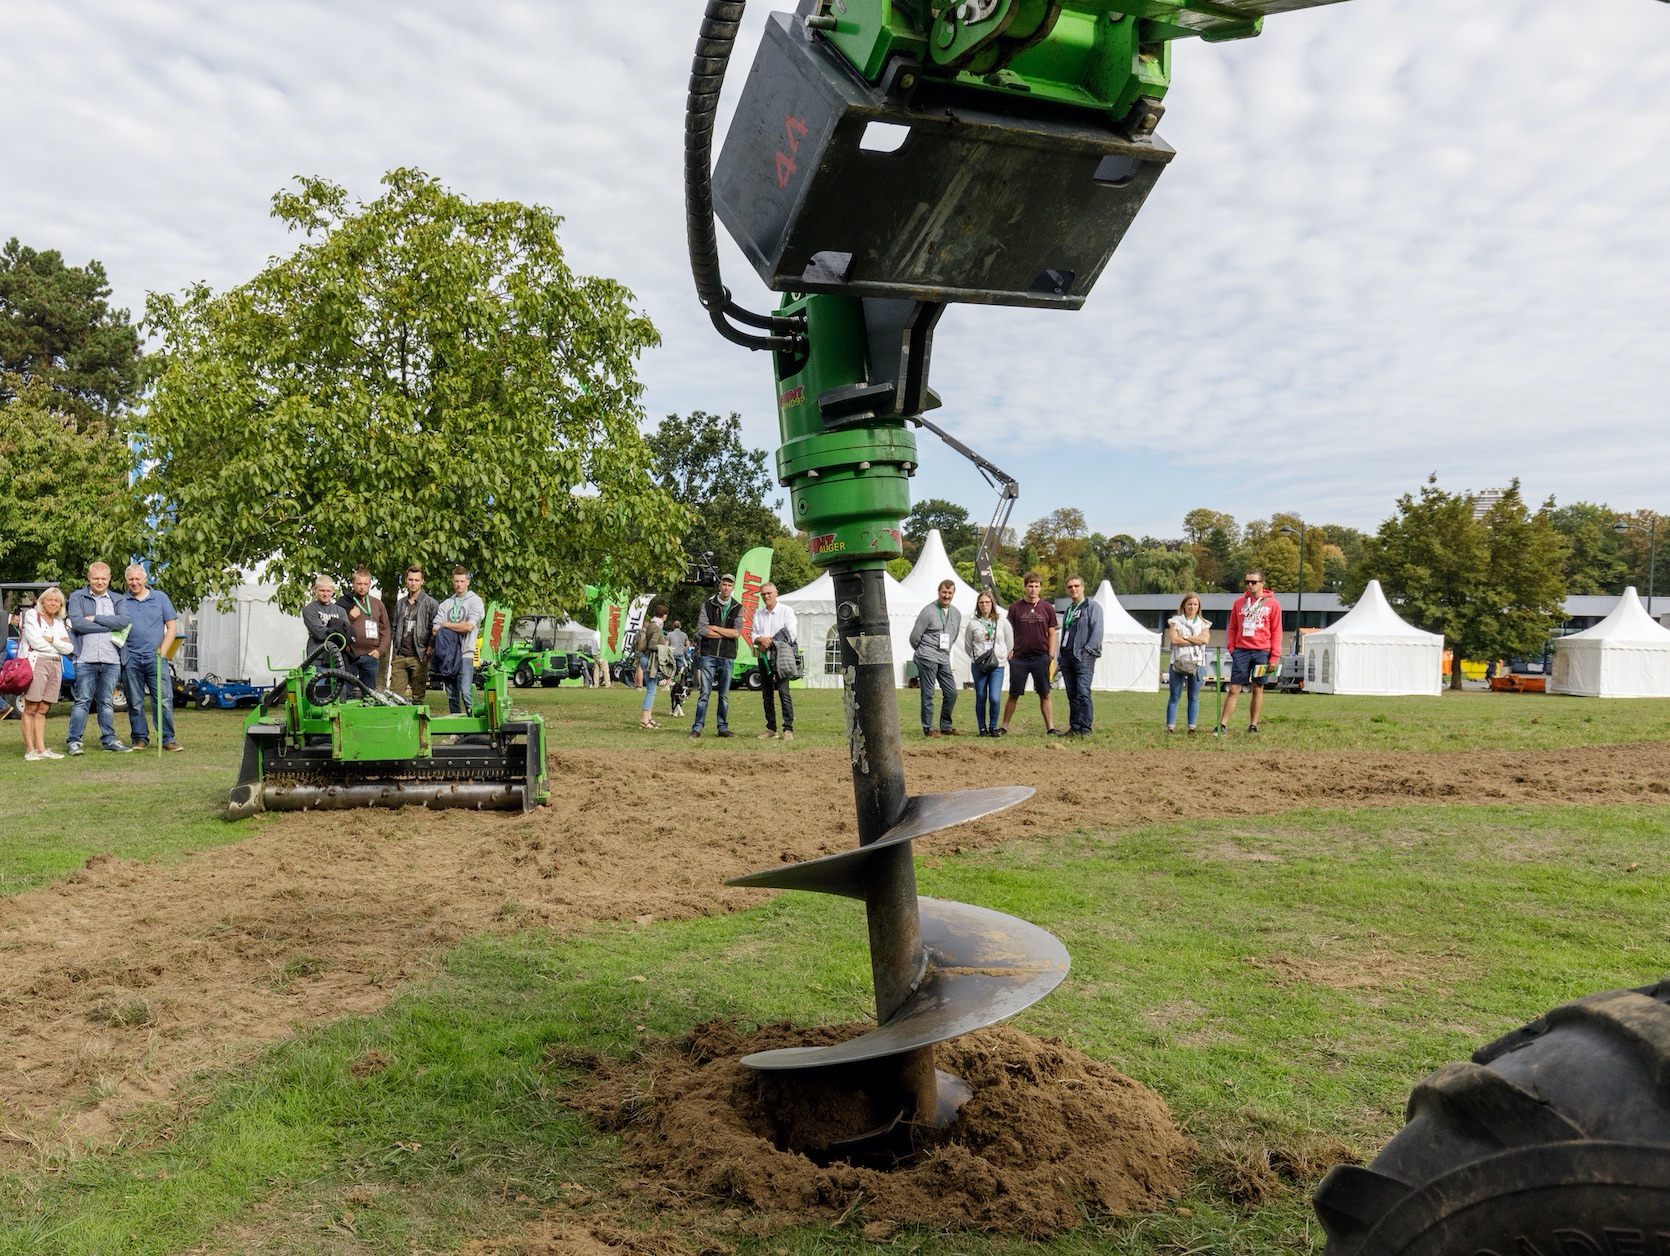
(752, 575)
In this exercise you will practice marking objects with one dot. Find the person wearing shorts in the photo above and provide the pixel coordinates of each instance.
(1254, 642)
(1033, 624)
(45, 642)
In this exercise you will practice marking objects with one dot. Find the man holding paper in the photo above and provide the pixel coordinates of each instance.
(1254, 647)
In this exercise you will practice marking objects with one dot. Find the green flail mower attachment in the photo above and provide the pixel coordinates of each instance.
(323, 741)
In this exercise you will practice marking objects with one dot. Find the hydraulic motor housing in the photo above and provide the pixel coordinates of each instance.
(983, 198)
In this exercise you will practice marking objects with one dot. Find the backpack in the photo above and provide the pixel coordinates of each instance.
(448, 659)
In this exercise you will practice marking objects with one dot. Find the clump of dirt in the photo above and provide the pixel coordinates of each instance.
(1048, 1132)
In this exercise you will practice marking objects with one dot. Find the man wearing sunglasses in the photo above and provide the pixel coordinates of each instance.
(1254, 643)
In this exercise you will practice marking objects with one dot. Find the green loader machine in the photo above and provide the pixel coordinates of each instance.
(323, 740)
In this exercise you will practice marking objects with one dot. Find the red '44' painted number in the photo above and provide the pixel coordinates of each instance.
(796, 131)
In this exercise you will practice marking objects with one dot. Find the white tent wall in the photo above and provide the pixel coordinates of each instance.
(239, 643)
(1626, 655)
(814, 610)
(1373, 652)
(1130, 659)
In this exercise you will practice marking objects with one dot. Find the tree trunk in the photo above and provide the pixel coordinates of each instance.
(1455, 669)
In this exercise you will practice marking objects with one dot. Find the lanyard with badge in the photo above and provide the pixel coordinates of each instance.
(944, 637)
(364, 603)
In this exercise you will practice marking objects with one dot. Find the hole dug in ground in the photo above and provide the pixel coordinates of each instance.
(1048, 1134)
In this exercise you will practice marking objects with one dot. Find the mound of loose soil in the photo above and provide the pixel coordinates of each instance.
(1048, 1133)
(125, 976)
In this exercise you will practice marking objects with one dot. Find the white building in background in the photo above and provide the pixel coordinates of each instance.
(1626, 655)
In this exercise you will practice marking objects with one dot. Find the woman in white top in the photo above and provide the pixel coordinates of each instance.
(1187, 633)
(988, 640)
(45, 643)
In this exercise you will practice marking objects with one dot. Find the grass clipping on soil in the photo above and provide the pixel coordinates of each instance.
(1048, 1135)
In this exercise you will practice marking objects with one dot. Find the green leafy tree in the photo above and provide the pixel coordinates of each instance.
(1212, 536)
(956, 529)
(791, 566)
(422, 380)
(1635, 547)
(1595, 560)
(67, 499)
(1158, 570)
(1056, 543)
(703, 463)
(1005, 583)
(57, 329)
(1493, 586)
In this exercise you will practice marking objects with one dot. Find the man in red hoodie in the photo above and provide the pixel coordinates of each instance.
(1254, 642)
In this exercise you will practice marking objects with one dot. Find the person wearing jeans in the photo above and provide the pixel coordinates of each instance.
(936, 627)
(462, 613)
(718, 629)
(987, 640)
(656, 663)
(1081, 646)
(1187, 633)
(94, 621)
(774, 623)
(144, 667)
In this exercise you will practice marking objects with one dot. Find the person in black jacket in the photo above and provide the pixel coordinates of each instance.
(718, 629)
(412, 632)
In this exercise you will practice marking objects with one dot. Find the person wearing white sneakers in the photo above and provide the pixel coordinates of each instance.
(46, 642)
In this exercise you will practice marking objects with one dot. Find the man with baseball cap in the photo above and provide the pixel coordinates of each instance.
(718, 629)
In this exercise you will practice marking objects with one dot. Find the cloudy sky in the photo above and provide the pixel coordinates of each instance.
(1401, 235)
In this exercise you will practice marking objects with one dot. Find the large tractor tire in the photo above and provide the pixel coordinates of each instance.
(754, 679)
(1554, 1141)
(522, 678)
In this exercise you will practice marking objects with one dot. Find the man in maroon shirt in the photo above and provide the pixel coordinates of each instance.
(1254, 643)
(1032, 620)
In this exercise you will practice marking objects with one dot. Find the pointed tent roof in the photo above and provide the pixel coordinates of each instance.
(933, 564)
(1118, 624)
(820, 590)
(1374, 620)
(1627, 625)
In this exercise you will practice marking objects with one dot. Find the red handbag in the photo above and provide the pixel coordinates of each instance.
(16, 675)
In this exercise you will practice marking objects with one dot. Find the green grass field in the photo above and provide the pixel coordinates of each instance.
(1282, 981)
(54, 815)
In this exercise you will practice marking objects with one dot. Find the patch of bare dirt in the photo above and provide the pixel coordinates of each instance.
(126, 977)
(1047, 1133)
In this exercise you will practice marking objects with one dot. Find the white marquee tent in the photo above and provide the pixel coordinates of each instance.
(814, 611)
(1626, 655)
(921, 586)
(1130, 653)
(1371, 650)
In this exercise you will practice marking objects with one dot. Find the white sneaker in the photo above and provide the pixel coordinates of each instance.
(50, 754)
(30, 756)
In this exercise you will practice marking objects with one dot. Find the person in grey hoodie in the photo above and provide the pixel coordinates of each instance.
(931, 637)
(96, 619)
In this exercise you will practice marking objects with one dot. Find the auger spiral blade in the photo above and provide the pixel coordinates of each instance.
(941, 969)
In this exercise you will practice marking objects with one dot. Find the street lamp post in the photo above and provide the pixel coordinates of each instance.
(1652, 551)
(1299, 613)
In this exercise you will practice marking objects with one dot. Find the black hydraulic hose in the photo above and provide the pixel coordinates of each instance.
(707, 76)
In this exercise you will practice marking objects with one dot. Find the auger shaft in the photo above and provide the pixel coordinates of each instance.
(897, 960)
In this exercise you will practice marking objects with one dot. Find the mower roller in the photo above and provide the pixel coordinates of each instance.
(322, 740)
(887, 158)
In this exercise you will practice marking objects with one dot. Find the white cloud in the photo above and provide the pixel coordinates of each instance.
(1398, 237)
